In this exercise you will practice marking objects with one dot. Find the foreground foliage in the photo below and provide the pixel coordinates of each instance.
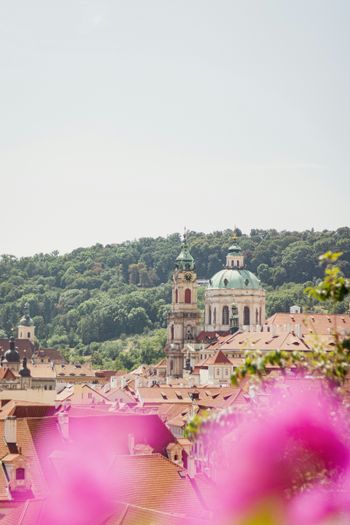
(332, 364)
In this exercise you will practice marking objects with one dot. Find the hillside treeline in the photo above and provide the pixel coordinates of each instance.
(96, 294)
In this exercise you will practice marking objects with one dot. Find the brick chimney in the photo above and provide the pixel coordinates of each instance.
(10, 430)
(63, 422)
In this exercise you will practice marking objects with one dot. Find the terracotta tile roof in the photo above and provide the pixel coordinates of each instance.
(313, 323)
(7, 374)
(122, 395)
(134, 515)
(52, 354)
(155, 483)
(174, 394)
(264, 341)
(24, 347)
(168, 411)
(218, 359)
(78, 392)
(11, 516)
(24, 409)
(42, 371)
(67, 370)
(206, 336)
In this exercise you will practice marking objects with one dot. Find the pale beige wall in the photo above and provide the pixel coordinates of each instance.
(218, 298)
(23, 332)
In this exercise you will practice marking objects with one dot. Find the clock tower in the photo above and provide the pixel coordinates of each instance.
(184, 318)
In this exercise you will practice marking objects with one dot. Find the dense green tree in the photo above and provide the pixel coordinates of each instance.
(97, 294)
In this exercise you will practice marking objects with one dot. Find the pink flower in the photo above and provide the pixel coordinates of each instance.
(286, 447)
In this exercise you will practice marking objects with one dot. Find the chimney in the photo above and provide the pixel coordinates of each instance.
(10, 430)
(131, 444)
(298, 331)
(191, 467)
(63, 421)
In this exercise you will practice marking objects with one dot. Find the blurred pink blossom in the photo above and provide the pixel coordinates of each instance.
(294, 444)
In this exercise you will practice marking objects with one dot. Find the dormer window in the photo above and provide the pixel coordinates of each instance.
(20, 474)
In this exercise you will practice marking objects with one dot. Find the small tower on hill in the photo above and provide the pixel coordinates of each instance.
(26, 328)
(184, 318)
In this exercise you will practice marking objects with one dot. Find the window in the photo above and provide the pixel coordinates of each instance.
(257, 316)
(176, 295)
(225, 315)
(188, 296)
(237, 263)
(20, 473)
(28, 335)
(246, 316)
(214, 316)
(172, 332)
(209, 315)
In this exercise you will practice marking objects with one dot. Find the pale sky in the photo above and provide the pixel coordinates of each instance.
(133, 118)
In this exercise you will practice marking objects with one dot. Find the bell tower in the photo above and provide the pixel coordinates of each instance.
(184, 317)
(26, 328)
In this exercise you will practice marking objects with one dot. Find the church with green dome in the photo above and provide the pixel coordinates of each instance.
(234, 292)
(234, 300)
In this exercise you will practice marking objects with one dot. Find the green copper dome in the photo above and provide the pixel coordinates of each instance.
(185, 260)
(235, 278)
(234, 249)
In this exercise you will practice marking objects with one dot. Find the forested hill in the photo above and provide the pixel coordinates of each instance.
(100, 293)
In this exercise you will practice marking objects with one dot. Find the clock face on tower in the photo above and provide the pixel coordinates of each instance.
(188, 277)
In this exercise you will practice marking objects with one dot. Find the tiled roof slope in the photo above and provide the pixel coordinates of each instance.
(134, 515)
(313, 323)
(154, 482)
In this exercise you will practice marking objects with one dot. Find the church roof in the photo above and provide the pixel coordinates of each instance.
(235, 278)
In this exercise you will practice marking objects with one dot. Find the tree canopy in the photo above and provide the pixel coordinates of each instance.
(92, 295)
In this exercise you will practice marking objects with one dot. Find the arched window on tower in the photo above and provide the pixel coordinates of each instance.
(214, 316)
(188, 296)
(260, 315)
(257, 316)
(209, 315)
(246, 316)
(225, 315)
(172, 332)
(176, 295)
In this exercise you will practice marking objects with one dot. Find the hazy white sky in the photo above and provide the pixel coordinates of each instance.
(122, 119)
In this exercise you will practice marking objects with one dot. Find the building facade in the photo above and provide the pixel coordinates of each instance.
(234, 292)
